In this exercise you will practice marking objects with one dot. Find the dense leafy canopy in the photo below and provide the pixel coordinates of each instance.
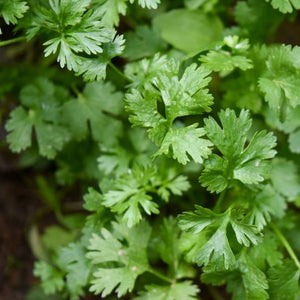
(167, 117)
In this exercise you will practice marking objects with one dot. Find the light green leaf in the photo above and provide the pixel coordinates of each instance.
(52, 279)
(285, 6)
(12, 10)
(128, 250)
(246, 164)
(177, 291)
(92, 107)
(174, 25)
(284, 281)
(185, 141)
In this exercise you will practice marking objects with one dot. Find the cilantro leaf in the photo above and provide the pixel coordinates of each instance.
(80, 31)
(183, 141)
(174, 23)
(119, 158)
(11, 11)
(110, 11)
(280, 82)
(257, 19)
(225, 61)
(267, 252)
(167, 245)
(42, 102)
(284, 281)
(246, 164)
(294, 141)
(249, 283)
(109, 248)
(131, 193)
(52, 279)
(216, 250)
(94, 106)
(265, 204)
(180, 97)
(285, 178)
(143, 42)
(19, 127)
(142, 72)
(285, 6)
(95, 68)
(148, 3)
(72, 259)
(177, 291)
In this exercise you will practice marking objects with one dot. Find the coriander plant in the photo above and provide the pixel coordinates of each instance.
(178, 123)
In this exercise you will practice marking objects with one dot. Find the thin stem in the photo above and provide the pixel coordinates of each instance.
(159, 275)
(118, 71)
(217, 208)
(12, 41)
(286, 244)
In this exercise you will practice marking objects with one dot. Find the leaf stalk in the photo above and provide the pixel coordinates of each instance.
(12, 41)
(159, 275)
(286, 244)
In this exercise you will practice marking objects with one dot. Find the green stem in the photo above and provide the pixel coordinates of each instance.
(119, 72)
(217, 208)
(286, 244)
(159, 275)
(12, 41)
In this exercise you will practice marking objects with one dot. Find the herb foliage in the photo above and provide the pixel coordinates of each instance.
(181, 126)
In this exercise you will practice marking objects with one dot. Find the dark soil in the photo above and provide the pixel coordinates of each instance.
(18, 204)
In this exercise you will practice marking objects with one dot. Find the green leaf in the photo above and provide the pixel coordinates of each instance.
(78, 269)
(74, 30)
(216, 252)
(174, 25)
(185, 141)
(110, 10)
(143, 42)
(95, 68)
(245, 234)
(250, 284)
(177, 291)
(94, 106)
(280, 82)
(284, 281)
(12, 10)
(172, 183)
(180, 97)
(285, 178)
(142, 73)
(148, 3)
(285, 6)
(167, 244)
(294, 141)
(129, 196)
(267, 252)
(52, 279)
(246, 164)
(55, 237)
(265, 204)
(257, 19)
(42, 100)
(128, 250)
(225, 61)
(19, 127)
